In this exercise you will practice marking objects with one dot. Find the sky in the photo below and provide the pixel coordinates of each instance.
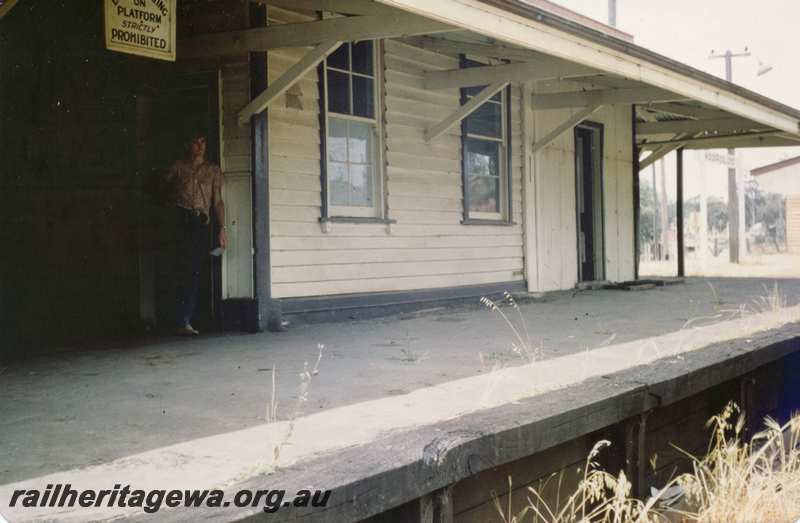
(688, 30)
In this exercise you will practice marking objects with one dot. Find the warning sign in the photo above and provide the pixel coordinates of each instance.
(142, 27)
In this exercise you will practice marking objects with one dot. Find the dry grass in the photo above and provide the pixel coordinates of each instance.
(744, 482)
(306, 376)
(736, 482)
(522, 345)
(599, 498)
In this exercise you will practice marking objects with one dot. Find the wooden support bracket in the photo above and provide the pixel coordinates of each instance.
(433, 132)
(679, 141)
(286, 80)
(568, 124)
(303, 34)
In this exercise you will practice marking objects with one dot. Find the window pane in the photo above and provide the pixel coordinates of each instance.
(338, 183)
(361, 185)
(486, 120)
(338, 92)
(363, 97)
(482, 161)
(337, 140)
(362, 57)
(360, 142)
(482, 157)
(340, 58)
(484, 194)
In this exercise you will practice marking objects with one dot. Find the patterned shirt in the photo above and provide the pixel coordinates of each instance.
(196, 187)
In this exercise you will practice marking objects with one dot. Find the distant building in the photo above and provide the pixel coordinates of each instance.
(784, 178)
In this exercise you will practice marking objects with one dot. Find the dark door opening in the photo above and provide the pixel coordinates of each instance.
(589, 201)
(179, 105)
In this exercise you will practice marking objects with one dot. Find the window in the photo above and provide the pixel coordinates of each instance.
(485, 150)
(350, 132)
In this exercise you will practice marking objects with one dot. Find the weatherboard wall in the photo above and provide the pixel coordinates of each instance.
(427, 246)
(553, 196)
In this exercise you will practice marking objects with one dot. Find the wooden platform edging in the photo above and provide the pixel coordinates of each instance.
(407, 466)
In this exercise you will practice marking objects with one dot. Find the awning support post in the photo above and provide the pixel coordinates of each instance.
(679, 213)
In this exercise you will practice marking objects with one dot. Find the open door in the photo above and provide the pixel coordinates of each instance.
(589, 201)
(179, 104)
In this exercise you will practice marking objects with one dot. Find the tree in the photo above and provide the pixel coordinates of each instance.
(647, 214)
(717, 214)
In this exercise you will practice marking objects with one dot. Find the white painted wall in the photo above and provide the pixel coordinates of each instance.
(428, 247)
(237, 260)
(555, 247)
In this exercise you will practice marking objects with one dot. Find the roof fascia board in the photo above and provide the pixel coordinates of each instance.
(488, 20)
(777, 166)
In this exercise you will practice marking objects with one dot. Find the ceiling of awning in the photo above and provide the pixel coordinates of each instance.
(706, 127)
(571, 65)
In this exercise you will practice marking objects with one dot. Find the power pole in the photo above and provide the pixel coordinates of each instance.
(664, 203)
(733, 198)
(612, 13)
(656, 255)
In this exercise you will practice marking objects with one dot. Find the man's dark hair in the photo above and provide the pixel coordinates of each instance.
(194, 131)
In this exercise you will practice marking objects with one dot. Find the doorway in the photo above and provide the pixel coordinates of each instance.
(589, 201)
(177, 106)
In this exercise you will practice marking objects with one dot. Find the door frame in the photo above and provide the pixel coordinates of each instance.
(170, 84)
(599, 129)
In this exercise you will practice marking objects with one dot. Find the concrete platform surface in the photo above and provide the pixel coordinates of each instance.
(175, 399)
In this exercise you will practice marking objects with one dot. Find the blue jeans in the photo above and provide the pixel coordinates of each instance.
(191, 253)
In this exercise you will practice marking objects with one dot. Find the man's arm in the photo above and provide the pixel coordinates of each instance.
(170, 175)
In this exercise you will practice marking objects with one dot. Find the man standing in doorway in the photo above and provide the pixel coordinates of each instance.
(197, 188)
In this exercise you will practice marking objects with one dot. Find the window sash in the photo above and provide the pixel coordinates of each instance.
(375, 165)
(503, 164)
(351, 74)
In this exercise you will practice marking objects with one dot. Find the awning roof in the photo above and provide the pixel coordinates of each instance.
(689, 108)
(772, 167)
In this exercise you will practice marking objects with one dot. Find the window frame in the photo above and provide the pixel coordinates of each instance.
(376, 212)
(504, 216)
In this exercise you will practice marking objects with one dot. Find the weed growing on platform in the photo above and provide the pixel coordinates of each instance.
(522, 345)
(736, 482)
(408, 355)
(306, 376)
(772, 301)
